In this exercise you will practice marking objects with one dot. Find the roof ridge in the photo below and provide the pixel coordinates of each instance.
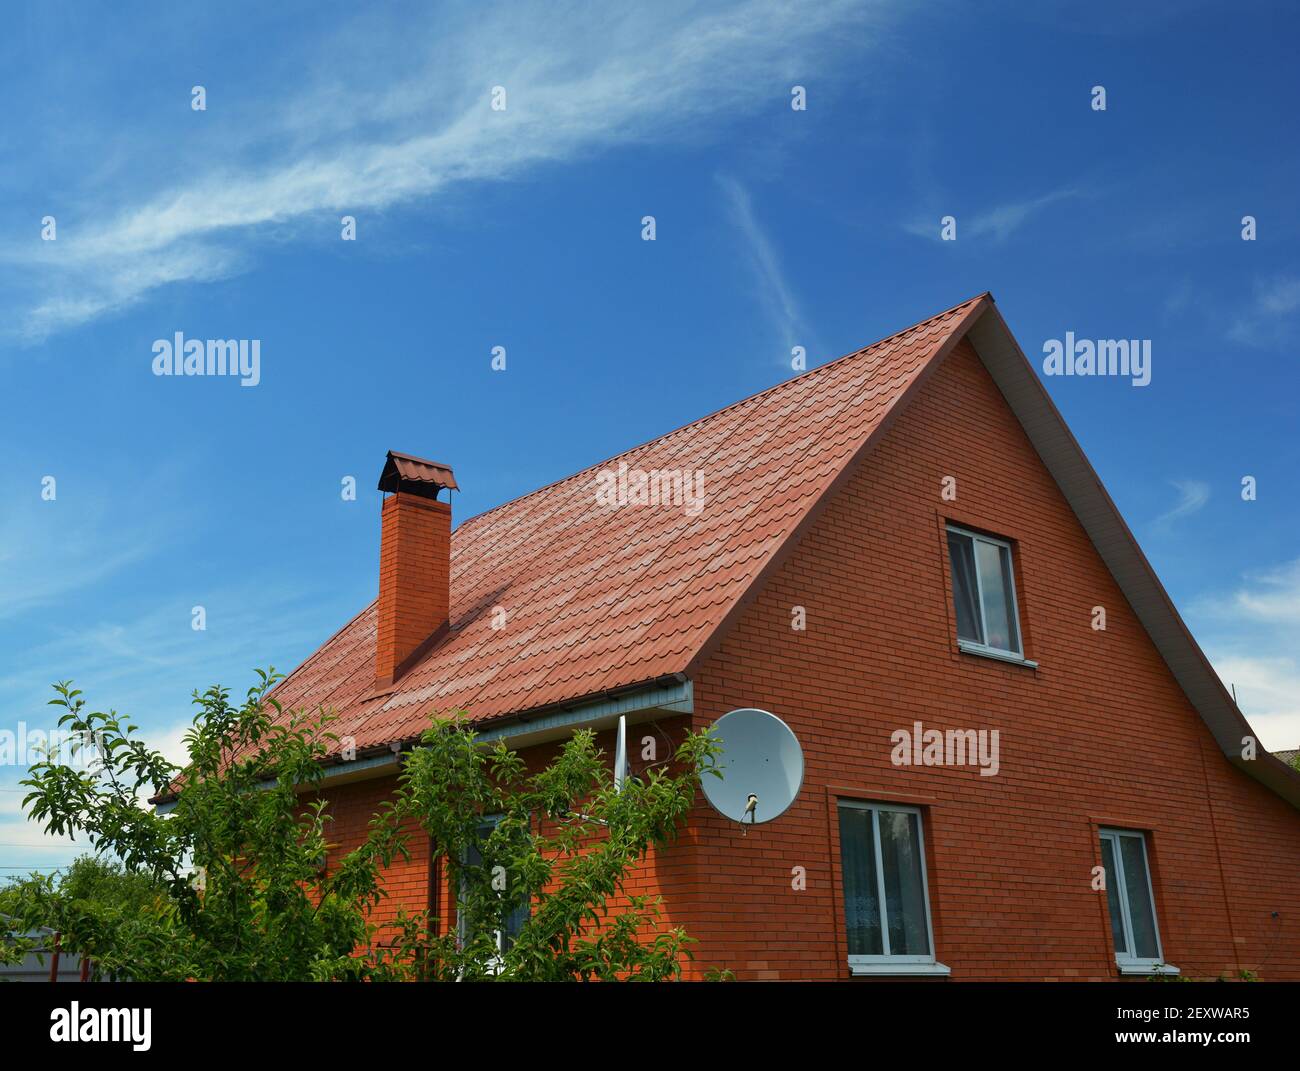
(726, 408)
(939, 350)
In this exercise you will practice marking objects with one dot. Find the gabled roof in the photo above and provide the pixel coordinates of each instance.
(600, 598)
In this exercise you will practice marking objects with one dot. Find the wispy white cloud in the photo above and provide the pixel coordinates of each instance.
(1252, 636)
(1268, 318)
(777, 297)
(1279, 296)
(1268, 692)
(998, 223)
(1270, 597)
(577, 79)
(159, 657)
(1004, 220)
(50, 549)
(1192, 497)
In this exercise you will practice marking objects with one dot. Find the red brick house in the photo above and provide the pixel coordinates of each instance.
(909, 534)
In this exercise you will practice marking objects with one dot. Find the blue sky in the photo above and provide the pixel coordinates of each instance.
(522, 228)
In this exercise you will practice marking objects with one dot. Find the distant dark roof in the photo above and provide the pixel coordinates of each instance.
(1288, 757)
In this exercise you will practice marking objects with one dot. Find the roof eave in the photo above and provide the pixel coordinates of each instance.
(671, 694)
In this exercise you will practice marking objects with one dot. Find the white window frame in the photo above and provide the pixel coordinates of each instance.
(886, 963)
(1127, 962)
(970, 646)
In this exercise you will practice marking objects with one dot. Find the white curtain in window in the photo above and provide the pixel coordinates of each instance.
(964, 588)
(861, 890)
(900, 855)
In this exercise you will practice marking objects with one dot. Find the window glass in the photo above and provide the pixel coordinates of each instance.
(886, 912)
(1112, 895)
(965, 592)
(1128, 897)
(994, 565)
(861, 889)
(983, 591)
(900, 856)
(1141, 916)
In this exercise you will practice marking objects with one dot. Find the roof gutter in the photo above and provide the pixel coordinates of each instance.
(674, 694)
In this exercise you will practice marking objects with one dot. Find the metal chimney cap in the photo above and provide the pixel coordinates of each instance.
(415, 475)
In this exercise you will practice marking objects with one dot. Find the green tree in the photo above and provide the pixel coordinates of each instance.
(557, 850)
(95, 906)
(238, 860)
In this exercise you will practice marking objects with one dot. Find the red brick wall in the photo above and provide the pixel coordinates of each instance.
(350, 810)
(1099, 734)
(668, 874)
(414, 577)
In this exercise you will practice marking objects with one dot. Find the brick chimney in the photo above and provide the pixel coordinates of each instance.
(414, 563)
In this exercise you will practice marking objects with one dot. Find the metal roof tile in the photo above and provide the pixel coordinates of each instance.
(599, 597)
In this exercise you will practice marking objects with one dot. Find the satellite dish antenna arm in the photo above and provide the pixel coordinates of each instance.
(620, 754)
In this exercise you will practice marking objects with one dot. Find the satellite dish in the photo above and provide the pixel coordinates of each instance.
(761, 764)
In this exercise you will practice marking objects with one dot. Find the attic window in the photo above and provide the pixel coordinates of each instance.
(984, 594)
